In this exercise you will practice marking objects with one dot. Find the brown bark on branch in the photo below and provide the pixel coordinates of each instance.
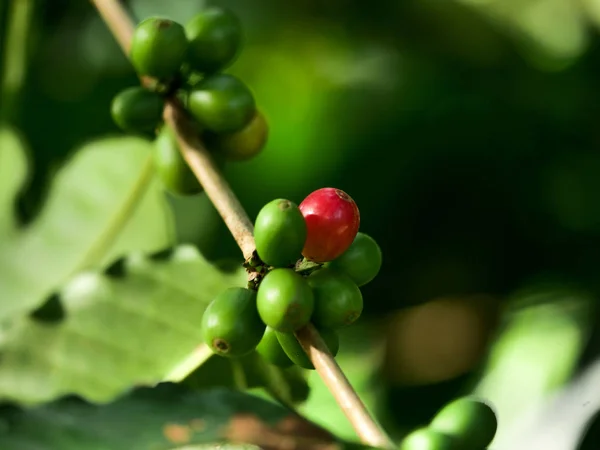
(235, 217)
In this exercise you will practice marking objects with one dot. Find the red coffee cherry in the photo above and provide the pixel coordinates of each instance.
(332, 221)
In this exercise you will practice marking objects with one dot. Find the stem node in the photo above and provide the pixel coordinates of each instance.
(239, 224)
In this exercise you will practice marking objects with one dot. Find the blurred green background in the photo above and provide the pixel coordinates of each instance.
(465, 130)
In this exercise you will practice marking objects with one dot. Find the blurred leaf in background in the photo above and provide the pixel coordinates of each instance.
(551, 34)
(136, 328)
(102, 205)
(168, 416)
(536, 352)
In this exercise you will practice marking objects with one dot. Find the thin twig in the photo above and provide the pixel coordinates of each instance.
(346, 397)
(198, 158)
(240, 225)
(117, 21)
(216, 187)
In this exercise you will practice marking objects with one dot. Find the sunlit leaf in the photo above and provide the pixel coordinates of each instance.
(551, 33)
(134, 329)
(536, 353)
(102, 204)
(563, 420)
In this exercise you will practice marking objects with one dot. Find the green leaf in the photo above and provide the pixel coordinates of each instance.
(135, 329)
(524, 365)
(165, 417)
(102, 204)
(550, 33)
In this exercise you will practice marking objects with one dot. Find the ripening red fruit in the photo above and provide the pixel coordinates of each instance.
(332, 221)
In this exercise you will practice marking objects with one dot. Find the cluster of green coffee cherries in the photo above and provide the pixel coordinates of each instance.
(310, 262)
(186, 64)
(466, 423)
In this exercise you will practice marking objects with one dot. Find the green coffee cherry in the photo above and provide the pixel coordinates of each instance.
(230, 324)
(137, 110)
(471, 421)
(296, 353)
(270, 349)
(222, 104)
(338, 301)
(158, 48)
(280, 232)
(285, 302)
(171, 168)
(215, 37)
(428, 439)
(362, 260)
(244, 144)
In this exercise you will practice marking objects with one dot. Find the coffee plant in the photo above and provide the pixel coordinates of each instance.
(117, 334)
